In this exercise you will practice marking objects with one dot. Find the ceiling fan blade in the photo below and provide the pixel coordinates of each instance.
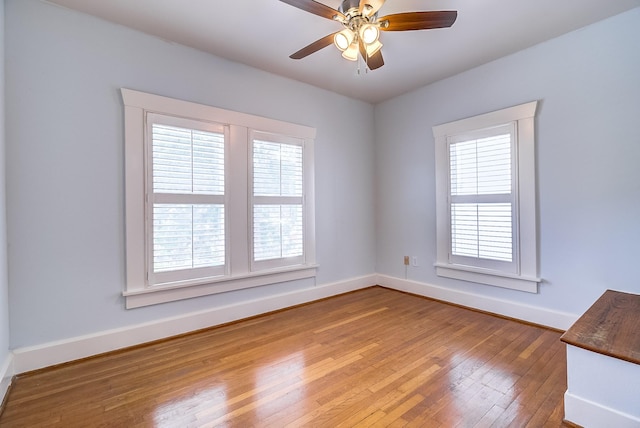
(316, 8)
(374, 61)
(418, 20)
(314, 47)
(370, 7)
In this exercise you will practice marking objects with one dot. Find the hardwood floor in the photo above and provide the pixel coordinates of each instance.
(374, 357)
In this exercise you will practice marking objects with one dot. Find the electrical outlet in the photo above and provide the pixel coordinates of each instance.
(414, 261)
(406, 260)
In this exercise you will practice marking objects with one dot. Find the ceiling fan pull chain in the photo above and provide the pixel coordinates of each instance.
(365, 65)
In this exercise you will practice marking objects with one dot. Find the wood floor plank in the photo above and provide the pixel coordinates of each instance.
(374, 357)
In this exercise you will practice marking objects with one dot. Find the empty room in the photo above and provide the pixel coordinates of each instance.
(319, 213)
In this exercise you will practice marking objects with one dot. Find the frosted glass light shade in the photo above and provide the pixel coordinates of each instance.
(343, 39)
(369, 33)
(351, 53)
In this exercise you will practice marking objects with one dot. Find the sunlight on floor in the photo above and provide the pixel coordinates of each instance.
(273, 379)
(212, 401)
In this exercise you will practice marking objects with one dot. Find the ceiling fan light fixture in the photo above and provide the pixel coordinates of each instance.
(361, 27)
(343, 39)
(369, 33)
(351, 53)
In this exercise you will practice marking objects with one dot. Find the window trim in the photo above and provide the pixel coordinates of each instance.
(525, 277)
(137, 293)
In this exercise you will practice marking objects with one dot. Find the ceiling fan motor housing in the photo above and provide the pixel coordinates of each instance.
(355, 18)
(348, 4)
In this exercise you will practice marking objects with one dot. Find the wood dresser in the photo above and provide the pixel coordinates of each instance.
(603, 363)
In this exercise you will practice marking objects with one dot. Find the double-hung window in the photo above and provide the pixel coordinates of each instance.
(186, 199)
(277, 200)
(485, 199)
(216, 200)
(482, 208)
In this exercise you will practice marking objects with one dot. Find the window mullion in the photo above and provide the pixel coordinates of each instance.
(239, 199)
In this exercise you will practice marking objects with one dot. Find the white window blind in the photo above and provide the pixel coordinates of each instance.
(481, 166)
(187, 161)
(187, 200)
(187, 236)
(481, 196)
(482, 231)
(277, 209)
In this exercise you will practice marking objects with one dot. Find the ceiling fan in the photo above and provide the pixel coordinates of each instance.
(362, 27)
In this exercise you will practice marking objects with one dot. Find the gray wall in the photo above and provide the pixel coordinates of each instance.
(4, 287)
(588, 163)
(65, 165)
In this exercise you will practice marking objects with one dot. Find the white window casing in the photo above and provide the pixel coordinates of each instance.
(486, 199)
(189, 180)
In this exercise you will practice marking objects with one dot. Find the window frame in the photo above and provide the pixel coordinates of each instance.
(511, 197)
(523, 273)
(193, 275)
(257, 265)
(238, 271)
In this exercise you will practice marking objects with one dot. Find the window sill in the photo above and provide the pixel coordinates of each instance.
(162, 294)
(484, 276)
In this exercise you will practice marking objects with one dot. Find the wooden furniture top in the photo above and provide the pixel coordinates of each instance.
(611, 326)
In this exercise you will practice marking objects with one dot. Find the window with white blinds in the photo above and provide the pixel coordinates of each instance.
(482, 210)
(215, 200)
(277, 200)
(486, 199)
(186, 205)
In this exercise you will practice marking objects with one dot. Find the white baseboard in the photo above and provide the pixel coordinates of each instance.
(593, 415)
(62, 351)
(532, 314)
(52, 353)
(6, 375)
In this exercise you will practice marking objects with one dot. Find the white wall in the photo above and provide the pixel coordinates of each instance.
(65, 166)
(5, 354)
(588, 163)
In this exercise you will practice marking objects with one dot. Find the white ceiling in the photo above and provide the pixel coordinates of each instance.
(263, 33)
